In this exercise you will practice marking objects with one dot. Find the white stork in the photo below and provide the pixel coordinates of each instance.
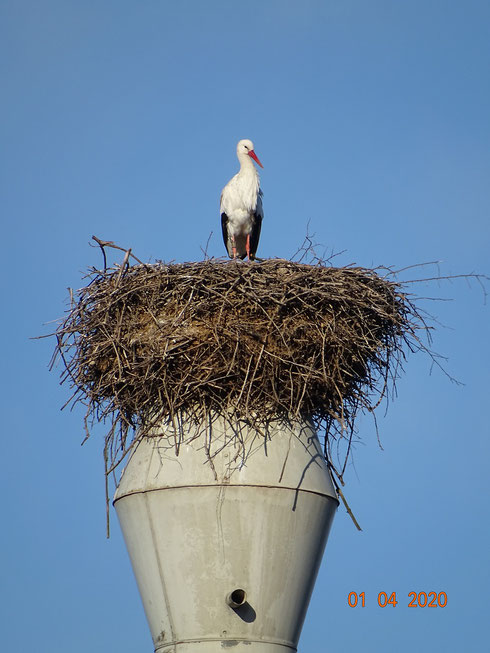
(241, 205)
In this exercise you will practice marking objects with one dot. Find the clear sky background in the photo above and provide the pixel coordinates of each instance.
(372, 120)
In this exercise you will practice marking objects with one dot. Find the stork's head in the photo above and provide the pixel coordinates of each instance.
(245, 147)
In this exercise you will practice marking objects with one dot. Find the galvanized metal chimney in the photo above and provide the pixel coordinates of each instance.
(226, 533)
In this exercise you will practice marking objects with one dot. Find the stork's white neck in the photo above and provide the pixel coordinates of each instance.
(246, 163)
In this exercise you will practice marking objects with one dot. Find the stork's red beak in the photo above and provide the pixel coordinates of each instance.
(252, 154)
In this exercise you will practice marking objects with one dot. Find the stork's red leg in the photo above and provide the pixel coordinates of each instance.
(247, 246)
(233, 246)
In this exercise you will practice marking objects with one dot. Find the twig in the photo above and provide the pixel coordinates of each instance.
(109, 243)
(205, 250)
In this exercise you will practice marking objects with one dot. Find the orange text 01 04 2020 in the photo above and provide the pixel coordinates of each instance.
(415, 599)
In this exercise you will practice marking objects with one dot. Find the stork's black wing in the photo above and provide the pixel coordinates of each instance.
(255, 233)
(224, 229)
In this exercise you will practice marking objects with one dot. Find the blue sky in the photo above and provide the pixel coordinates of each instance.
(120, 119)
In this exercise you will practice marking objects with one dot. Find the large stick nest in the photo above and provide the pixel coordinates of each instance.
(254, 341)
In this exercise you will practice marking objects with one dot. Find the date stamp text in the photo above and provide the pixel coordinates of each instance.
(414, 600)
